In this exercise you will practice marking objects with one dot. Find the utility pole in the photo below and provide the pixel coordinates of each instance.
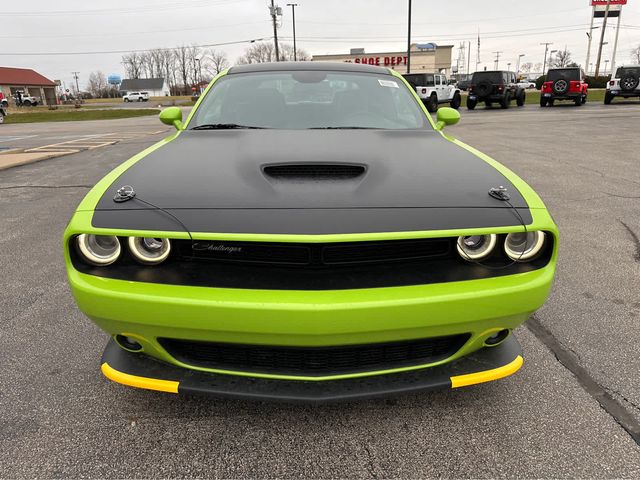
(469, 61)
(478, 52)
(274, 12)
(75, 75)
(409, 40)
(544, 64)
(590, 35)
(293, 14)
(615, 44)
(497, 59)
(604, 27)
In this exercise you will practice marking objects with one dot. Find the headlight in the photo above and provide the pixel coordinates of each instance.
(149, 250)
(523, 246)
(99, 250)
(476, 247)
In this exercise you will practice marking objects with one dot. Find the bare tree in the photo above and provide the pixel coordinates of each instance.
(265, 52)
(216, 61)
(182, 67)
(133, 65)
(526, 67)
(194, 61)
(97, 84)
(562, 59)
(635, 55)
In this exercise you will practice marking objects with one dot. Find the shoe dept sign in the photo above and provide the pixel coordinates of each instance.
(386, 61)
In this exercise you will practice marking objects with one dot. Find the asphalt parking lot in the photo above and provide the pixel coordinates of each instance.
(60, 418)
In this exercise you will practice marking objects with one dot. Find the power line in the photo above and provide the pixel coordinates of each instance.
(120, 11)
(130, 51)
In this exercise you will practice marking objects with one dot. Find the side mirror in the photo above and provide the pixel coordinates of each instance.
(446, 116)
(172, 116)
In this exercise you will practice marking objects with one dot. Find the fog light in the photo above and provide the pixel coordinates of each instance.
(497, 338)
(128, 343)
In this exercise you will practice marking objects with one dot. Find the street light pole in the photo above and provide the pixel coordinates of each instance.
(293, 14)
(544, 64)
(518, 64)
(409, 40)
(75, 75)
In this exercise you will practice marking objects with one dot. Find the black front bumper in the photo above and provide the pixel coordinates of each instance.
(142, 371)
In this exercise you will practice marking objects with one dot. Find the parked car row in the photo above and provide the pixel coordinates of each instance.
(501, 87)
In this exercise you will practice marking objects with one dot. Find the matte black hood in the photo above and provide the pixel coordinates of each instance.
(222, 171)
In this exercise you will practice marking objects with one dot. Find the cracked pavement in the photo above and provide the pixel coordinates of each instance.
(60, 418)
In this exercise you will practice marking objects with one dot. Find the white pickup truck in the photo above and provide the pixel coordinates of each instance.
(434, 89)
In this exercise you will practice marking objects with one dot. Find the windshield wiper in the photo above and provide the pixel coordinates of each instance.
(343, 128)
(222, 126)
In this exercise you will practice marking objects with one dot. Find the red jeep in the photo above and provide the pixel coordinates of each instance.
(564, 84)
(3, 101)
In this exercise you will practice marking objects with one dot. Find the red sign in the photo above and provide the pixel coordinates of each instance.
(386, 61)
(603, 3)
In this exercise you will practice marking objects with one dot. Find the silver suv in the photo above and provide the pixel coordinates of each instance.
(625, 83)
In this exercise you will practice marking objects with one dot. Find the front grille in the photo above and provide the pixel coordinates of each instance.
(314, 171)
(312, 361)
(317, 255)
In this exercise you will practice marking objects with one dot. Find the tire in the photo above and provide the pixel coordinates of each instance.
(506, 100)
(27, 103)
(140, 99)
(126, 100)
(578, 101)
(471, 104)
(608, 97)
(1, 118)
(551, 102)
(584, 98)
(543, 101)
(521, 98)
(432, 103)
(457, 100)
(5, 104)
(488, 104)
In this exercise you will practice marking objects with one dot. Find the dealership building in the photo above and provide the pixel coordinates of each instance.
(426, 57)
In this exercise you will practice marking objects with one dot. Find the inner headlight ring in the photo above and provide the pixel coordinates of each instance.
(148, 250)
(476, 247)
(99, 250)
(523, 246)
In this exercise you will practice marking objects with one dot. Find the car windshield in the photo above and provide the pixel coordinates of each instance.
(566, 73)
(493, 77)
(309, 99)
(628, 71)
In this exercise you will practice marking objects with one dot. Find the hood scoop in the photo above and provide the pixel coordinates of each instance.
(314, 171)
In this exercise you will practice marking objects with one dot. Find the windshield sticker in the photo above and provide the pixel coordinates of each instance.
(388, 83)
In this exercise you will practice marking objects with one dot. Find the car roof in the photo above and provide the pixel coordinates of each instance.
(565, 68)
(313, 66)
(629, 66)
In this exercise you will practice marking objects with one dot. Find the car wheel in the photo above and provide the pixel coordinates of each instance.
(27, 103)
(578, 101)
(487, 104)
(506, 100)
(584, 98)
(471, 104)
(551, 102)
(457, 100)
(543, 102)
(140, 99)
(432, 103)
(629, 83)
(126, 100)
(561, 86)
(1, 118)
(5, 104)
(607, 98)
(521, 98)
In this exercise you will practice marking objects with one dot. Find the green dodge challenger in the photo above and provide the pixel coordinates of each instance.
(309, 233)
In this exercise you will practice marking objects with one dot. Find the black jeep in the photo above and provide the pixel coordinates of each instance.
(495, 87)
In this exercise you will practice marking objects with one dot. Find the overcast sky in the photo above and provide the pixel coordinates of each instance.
(39, 27)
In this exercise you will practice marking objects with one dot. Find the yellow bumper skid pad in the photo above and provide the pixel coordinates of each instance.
(141, 371)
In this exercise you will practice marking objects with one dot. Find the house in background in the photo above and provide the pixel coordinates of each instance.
(25, 80)
(157, 87)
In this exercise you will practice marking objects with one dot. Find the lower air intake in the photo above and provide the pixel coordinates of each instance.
(313, 361)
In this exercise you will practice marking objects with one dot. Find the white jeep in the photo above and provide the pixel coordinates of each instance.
(434, 89)
(136, 97)
(625, 83)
